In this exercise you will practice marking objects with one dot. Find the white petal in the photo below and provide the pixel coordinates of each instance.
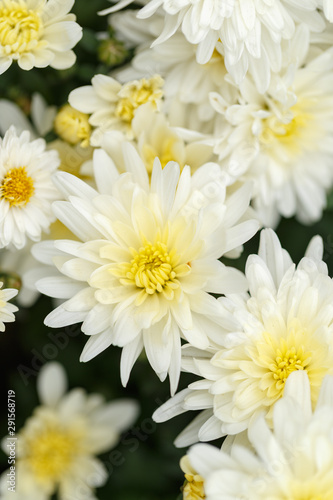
(51, 383)
(119, 415)
(129, 355)
(96, 344)
(174, 406)
(105, 171)
(190, 434)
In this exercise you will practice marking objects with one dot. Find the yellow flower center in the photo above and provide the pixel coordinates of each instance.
(72, 126)
(279, 356)
(51, 452)
(287, 361)
(17, 187)
(136, 93)
(154, 269)
(193, 487)
(19, 27)
(291, 131)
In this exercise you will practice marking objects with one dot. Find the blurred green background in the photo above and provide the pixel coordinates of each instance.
(146, 468)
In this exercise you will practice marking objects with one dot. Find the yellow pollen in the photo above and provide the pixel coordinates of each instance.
(17, 187)
(136, 93)
(193, 488)
(72, 126)
(52, 451)
(153, 269)
(287, 361)
(20, 28)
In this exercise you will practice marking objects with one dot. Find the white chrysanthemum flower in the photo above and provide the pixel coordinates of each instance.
(148, 258)
(275, 138)
(37, 34)
(294, 460)
(284, 324)
(56, 448)
(250, 30)
(26, 188)
(111, 105)
(6, 310)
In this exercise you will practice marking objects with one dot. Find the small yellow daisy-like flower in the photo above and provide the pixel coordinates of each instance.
(112, 106)
(134, 94)
(37, 34)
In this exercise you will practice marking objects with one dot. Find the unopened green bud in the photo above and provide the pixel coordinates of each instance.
(112, 52)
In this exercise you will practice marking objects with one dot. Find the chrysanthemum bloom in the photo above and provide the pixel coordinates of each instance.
(26, 188)
(147, 257)
(56, 448)
(250, 30)
(6, 310)
(284, 324)
(37, 33)
(275, 138)
(112, 105)
(294, 461)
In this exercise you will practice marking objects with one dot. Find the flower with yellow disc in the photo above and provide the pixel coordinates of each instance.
(283, 325)
(26, 188)
(56, 448)
(37, 34)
